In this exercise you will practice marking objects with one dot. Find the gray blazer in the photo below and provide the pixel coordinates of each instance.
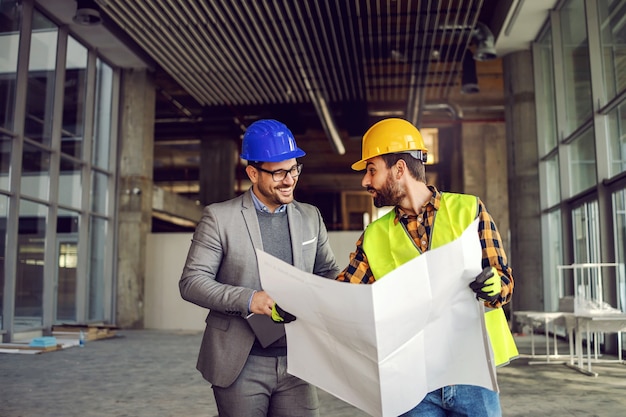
(221, 274)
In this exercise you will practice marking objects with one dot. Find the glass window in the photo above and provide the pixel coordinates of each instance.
(4, 208)
(582, 154)
(74, 99)
(35, 172)
(545, 95)
(617, 139)
(6, 144)
(585, 227)
(619, 210)
(99, 192)
(553, 250)
(41, 74)
(67, 256)
(102, 119)
(613, 38)
(576, 72)
(10, 17)
(52, 281)
(552, 186)
(29, 277)
(97, 250)
(70, 183)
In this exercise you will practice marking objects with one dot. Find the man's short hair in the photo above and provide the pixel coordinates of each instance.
(415, 166)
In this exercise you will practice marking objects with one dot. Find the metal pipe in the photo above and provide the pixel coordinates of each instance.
(329, 126)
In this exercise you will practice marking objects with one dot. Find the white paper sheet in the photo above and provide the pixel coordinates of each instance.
(383, 347)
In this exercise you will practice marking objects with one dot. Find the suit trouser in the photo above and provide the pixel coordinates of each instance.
(265, 389)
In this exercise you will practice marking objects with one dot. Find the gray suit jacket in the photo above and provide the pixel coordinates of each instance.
(221, 274)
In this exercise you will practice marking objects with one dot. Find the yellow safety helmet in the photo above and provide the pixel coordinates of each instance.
(391, 136)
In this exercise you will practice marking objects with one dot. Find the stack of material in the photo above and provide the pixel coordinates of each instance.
(90, 331)
(43, 342)
(36, 345)
(63, 336)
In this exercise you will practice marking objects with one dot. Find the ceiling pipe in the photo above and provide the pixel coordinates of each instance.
(415, 107)
(178, 120)
(456, 112)
(415, 100)
(321, 108)
(329, 124)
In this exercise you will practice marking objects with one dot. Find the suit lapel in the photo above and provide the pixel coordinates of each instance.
(295, 230)
(252, 221)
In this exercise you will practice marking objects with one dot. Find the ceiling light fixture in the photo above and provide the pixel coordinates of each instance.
(87, 13)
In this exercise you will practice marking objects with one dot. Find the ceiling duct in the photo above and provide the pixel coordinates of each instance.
(485, 49)
(469, 79)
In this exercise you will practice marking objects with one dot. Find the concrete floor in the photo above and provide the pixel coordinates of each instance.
(152, 373)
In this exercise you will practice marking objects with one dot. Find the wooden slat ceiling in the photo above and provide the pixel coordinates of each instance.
(326, 68)
(283, 51)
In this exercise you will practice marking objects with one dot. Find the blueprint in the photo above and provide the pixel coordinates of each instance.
(383, 347)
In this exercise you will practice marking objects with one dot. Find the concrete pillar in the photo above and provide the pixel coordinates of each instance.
(484, 151)
(523, 168)
(135, 194)
(485, 170)
(217, 170)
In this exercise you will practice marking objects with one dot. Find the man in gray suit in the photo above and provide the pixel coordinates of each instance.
(221, 274)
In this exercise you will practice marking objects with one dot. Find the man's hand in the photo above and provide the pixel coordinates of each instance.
(487, 285)
(281, 316)
(261, 303)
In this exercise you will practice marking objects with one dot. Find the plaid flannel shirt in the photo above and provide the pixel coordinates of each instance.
(420, 228)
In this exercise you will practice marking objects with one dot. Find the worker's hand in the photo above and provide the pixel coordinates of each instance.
(487, 284)
(281, 316)
(261, 303)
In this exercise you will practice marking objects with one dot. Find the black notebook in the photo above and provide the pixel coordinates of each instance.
(265, 329)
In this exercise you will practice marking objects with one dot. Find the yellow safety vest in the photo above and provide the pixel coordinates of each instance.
(387, 246)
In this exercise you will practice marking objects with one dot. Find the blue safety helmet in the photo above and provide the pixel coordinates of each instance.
(269, 140)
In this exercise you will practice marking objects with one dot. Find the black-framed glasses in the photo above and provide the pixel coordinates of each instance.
(280, 174)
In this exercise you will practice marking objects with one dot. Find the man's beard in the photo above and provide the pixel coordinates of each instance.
(389, 194)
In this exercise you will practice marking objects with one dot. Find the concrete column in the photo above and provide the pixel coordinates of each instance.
(485, 170)
(484, 151)
(217, 170)
(523, 168)
(135, 194)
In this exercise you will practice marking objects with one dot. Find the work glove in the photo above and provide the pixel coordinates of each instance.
(281, 316)
(487, 285)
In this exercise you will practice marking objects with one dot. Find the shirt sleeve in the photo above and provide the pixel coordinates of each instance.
(494, 255)
(358, 270)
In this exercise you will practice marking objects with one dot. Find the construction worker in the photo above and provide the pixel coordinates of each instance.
(248, 377)
(423, 218)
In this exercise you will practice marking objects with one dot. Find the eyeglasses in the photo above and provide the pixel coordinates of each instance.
(280, 174)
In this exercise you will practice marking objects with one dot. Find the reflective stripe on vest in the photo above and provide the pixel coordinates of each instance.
(387, 246)
(503, 346)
